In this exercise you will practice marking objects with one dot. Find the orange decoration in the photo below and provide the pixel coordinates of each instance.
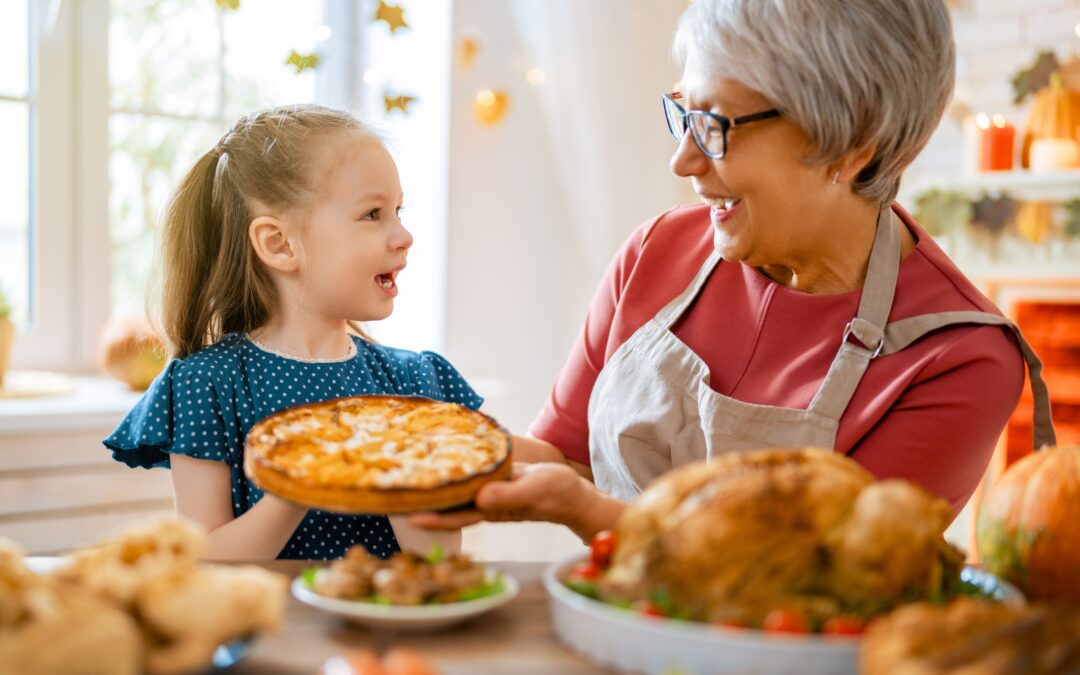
(1055, 113)
(468, 50)
(1029, 525)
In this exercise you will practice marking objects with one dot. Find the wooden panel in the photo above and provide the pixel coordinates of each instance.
(40, 451)
(49, 536)
(67, 489)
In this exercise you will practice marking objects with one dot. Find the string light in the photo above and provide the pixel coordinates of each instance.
(535, 76)
(322, 33)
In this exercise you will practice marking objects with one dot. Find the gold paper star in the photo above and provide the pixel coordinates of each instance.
(228, 4)
(400, 102)
(303, 62)
(393, 15)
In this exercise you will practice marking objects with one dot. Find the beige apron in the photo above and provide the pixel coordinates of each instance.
(652, 407)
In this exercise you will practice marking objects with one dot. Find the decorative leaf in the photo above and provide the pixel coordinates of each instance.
(993, 215)
(940, 211)
(1034, 77)
(1072, 218)
(303, 62)
(228, 5)
(393, 15)
(1070, 73)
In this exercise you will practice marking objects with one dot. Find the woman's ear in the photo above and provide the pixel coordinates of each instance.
(270, 238)
(848, 167)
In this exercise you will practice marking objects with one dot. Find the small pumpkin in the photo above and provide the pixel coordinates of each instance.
(1028, 527)
(131, 351)
(1055, 113)
(1033, 221)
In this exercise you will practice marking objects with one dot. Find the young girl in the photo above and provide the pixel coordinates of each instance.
(276, 242)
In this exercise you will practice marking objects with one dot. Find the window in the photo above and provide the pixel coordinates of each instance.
(104, 104)
(16, 113)
(180, 73)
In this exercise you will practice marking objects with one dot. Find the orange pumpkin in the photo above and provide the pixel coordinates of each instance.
(1028, 529)
(1055, 113)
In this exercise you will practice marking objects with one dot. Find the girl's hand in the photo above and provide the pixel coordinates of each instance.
(548, 492)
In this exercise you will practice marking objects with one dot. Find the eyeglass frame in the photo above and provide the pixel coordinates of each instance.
(725, 123)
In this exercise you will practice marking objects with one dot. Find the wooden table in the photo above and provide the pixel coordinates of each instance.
(515, 639)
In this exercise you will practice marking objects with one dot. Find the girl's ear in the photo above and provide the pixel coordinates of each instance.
(270, 238)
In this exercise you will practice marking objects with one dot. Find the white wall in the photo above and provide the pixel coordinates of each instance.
(516, 290)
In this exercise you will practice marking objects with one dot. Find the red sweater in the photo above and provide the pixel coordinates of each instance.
(930, 413)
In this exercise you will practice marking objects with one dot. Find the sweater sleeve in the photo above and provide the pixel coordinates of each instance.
(564, 419)
(942, 431)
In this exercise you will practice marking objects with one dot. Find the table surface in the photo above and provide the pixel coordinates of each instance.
(517, 638)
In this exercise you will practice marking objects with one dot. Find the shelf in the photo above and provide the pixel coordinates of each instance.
(1023, 184)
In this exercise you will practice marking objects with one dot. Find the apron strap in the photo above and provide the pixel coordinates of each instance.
(868, 326)
(674, 309)
(902, 333)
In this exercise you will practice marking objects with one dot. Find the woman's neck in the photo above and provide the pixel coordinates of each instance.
(836, 262)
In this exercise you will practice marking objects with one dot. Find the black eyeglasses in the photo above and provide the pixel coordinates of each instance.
(708, 129)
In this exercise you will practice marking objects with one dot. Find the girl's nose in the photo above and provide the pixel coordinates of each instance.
(688, 159)
(401, 239)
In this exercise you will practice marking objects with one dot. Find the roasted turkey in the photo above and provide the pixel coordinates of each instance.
(748, 532)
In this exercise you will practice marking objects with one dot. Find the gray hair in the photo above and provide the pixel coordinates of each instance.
(850, 73)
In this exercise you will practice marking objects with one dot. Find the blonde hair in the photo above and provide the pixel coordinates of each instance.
(213, 282)
(849, 73)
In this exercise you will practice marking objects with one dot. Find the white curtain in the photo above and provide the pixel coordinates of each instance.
(607, 62)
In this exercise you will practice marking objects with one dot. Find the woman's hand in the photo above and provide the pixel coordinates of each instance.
(548, 492)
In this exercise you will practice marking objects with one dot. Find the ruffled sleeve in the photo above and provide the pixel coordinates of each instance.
(435, 378)
(180, 413)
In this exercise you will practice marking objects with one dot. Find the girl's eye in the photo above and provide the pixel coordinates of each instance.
(373, 214)
(399, 210)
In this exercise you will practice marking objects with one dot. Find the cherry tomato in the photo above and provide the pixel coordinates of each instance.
(603, 548)
(586, 570)
(786, 620)
(404, 661)
(648, 608)
(843, 624)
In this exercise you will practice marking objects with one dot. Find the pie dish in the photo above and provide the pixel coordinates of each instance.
(377, 454)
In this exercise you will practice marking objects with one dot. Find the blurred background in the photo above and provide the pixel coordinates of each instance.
(530, 141)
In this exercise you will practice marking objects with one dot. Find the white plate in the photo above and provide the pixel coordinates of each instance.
(406, 618)
(628, 642)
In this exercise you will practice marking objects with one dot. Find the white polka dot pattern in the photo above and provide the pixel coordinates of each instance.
(203, 406)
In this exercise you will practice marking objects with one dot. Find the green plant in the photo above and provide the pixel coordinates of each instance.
(5, 306)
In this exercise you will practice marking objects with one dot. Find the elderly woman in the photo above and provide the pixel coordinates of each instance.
(797, 305)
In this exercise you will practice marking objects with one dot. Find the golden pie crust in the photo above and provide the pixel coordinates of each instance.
(377, 454)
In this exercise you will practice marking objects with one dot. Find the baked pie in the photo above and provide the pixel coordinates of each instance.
(377, 454)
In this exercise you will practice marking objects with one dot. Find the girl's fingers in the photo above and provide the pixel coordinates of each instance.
(446, 521)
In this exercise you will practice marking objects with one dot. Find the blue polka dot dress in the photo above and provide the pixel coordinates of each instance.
(203, 405)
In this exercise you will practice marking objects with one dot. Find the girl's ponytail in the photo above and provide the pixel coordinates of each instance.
(191, 242)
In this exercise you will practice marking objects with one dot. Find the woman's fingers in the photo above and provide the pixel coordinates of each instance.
(534, 492)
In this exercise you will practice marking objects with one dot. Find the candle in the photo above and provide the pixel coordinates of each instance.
(1049, 154)
(996, 141)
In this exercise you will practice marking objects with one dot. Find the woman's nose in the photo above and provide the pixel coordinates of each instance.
(688, 159)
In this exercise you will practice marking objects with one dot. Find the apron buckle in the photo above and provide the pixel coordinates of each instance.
(875, 351)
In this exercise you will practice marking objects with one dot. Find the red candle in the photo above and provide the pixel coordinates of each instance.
(996, 141)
